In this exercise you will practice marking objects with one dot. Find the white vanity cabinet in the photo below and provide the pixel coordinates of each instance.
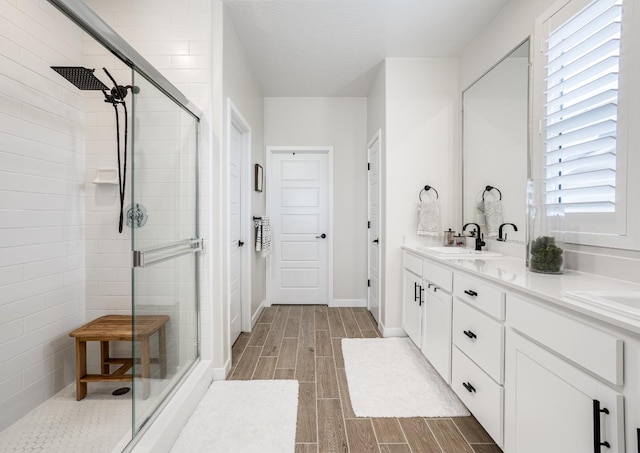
(412, 297)
(436, 317)
(551, 404)
(478, 355)
(427, 308)
(538, 374)
(553, 407)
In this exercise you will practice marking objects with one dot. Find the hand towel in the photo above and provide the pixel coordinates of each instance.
(429, 217)
(493, 216)
(263, 235)
(480, 219)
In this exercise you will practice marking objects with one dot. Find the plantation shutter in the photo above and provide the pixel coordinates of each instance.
(582, 64)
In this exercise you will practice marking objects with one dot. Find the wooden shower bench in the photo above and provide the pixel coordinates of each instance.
(119, 328)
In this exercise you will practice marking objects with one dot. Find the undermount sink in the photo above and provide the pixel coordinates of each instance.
(623, 302)
(459, 252)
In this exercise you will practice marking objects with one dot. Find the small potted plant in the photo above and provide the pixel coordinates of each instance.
(545, 231)
(545, 256)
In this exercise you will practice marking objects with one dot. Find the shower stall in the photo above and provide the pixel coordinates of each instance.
(99, 216)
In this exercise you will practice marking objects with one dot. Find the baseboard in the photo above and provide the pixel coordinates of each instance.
(220, 374)
(348, 303)
(265, 303)
(256, 315)
(166, 428)
(393, 332)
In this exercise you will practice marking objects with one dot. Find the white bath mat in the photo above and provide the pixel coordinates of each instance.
(243, 417)
(389, 377)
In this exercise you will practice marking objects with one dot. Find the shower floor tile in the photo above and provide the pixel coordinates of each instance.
(100, 423)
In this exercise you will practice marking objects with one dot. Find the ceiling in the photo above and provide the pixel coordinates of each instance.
(333, 47)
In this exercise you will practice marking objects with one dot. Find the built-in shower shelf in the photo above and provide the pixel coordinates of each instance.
(106, 176)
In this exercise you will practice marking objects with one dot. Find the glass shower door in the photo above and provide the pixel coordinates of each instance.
(165, 243)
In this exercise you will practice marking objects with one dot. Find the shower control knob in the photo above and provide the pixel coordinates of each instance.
(136, 215)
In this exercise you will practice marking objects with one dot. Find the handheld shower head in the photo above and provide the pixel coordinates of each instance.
(119, 92)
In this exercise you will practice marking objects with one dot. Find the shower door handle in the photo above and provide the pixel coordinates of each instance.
(174, 250)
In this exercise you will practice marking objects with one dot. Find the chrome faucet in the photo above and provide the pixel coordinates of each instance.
(479, 238)
(500, 238)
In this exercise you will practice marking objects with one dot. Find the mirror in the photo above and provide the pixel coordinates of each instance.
(495, 146)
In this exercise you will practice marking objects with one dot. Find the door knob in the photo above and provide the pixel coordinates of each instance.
(240, 243)
(375, 241)
(322, 236)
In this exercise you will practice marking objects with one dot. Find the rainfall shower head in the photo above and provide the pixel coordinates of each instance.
(82, 78)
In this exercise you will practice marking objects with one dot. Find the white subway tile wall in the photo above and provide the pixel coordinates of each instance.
(62, 261)
(42, 263)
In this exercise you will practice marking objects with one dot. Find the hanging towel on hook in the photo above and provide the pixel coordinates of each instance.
(429, 217)
(493, 216)
(263, 235)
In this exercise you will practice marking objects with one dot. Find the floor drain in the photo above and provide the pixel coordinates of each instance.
(121, 391)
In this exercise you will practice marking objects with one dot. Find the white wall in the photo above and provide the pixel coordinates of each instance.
(422, 130)
(509, 28)
(241, 86)
(42, 275)
(341, 123)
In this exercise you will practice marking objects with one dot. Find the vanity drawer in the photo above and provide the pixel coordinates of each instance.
(438, 275)
(480, 393)
(480, 295)
(599, 352)
(480, 338)
(412, 263)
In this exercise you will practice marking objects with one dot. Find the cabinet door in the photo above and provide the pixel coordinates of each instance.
(550, 405)
(411, 307)
(436, 331)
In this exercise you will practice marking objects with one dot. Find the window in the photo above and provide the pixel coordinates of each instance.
(581, 109)
(586, 63)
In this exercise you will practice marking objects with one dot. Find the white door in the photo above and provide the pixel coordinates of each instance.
(235, 232)
(373, 299)
(299, 206)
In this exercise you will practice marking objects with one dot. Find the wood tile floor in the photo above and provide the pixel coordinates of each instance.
(303, 343)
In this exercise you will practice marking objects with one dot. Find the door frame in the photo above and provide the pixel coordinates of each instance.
(377, 137)
(328, 150)
(235, 119)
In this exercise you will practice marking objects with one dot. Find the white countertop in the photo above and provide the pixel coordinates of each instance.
(512, 273)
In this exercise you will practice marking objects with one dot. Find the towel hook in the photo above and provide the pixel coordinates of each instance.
(426, 189)
(489, 189)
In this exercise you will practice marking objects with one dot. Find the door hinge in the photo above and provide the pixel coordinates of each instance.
(368, 283)
(368, 224)
(368, 166)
